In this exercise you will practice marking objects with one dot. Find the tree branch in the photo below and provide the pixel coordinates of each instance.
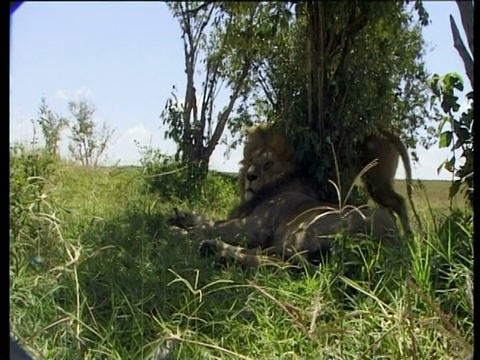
(211, 82)
(226, 113)
(466, 14)
(208, 96)
(462, 50)
(190, 44)
(205, 97)
(268, 93)
(310, 75)
(321, 70)
(195, 11)
(202, 26)
(187, 106)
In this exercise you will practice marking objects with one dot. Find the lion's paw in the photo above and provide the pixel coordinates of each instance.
(174, 230)
(185, 219)
(208, 248)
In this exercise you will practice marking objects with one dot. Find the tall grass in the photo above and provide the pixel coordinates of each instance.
(95, 273)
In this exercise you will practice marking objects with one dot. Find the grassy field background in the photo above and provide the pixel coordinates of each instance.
(95, 273)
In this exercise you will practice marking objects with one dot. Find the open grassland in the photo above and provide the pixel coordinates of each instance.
(435, 192)
(95, 273)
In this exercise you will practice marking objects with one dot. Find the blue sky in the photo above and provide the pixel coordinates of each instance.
(125, 57)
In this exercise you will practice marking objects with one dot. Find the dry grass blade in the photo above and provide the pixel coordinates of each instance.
(382, 304)
(165, 173)
(444, 317)
(291, 311)
(338, 186)
(338, 191)
(470, 290)
(174, 337)
(326, 208)
(318, 217)
(353, 208)
(359, 176)
(337, 172)
(316, 310)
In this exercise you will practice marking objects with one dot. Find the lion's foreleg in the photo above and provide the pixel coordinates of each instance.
(253, 257)
(222, 250)
(230, 231)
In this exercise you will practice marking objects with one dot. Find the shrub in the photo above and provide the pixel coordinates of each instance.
(30, 170)
(163, 175)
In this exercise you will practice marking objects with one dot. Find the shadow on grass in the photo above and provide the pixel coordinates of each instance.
(141, 282)
(141, 285)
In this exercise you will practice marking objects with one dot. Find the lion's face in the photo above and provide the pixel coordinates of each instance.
(262, 169)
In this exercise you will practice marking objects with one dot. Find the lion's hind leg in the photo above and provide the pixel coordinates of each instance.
(252, 257)
(386, 196)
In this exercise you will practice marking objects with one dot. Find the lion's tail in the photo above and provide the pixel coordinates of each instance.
(402, 150)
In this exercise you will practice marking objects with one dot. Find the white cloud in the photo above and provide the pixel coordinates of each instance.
(21, 131)
(21, 128)
(83, 92)
(62, 94)
(139, 133)
(125, 150)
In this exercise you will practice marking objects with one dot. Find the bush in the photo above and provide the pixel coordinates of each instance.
(169, 179)
(219, 189)
(163, 175)
(30, 170)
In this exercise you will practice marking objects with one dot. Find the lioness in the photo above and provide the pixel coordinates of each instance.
(379, 180)
(280, 215)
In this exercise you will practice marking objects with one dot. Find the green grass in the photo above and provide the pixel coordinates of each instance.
(95, 273)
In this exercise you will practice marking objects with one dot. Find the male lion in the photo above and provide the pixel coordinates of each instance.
(379, 180)
(280, 215)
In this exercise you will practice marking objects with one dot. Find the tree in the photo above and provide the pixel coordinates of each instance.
(51, 125)
(87, 144)
(220, 37)
(461, 132)
(339, 71)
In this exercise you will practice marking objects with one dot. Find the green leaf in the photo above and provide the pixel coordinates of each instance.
(463, 134)
(453, 80)
(450, 164)
(445, 139)
(433, 99)
(433, 83)
(467, 117)
(445, 119)
(440, 167)
(449, 102)
(454, 188)
(458, 144)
